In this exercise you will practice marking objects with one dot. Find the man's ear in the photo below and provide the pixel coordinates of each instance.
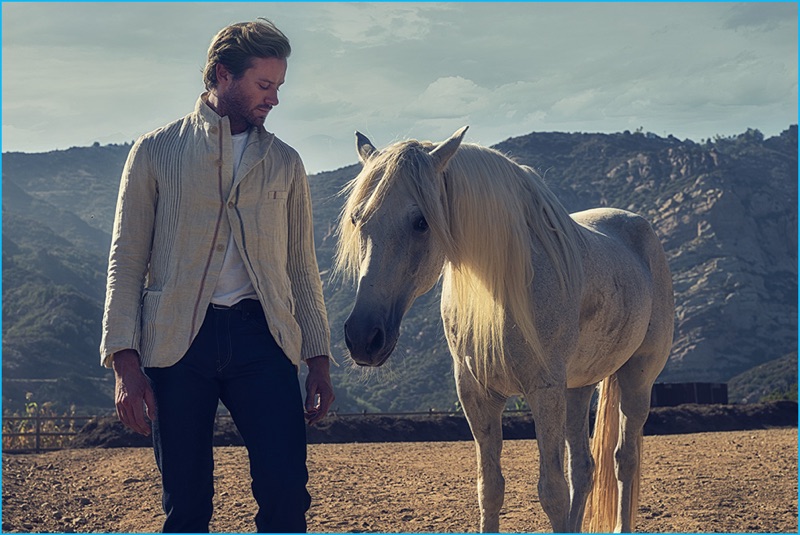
(223, 74)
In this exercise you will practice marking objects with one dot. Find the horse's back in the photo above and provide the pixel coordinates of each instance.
(627, 303)
(625, 236)
(626, 227)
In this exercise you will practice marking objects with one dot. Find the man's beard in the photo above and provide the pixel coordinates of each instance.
(236, 105)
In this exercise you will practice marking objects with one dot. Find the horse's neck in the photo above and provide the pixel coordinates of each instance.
(558, 251)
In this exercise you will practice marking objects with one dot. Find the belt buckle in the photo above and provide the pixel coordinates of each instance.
(215, 306)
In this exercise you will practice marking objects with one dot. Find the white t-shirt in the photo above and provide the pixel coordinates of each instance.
(234, 283)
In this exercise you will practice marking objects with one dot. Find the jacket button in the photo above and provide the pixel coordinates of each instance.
(231, 204)
(213, 130)
(220, 248)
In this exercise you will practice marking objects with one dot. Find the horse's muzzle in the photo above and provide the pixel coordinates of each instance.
(367, 341)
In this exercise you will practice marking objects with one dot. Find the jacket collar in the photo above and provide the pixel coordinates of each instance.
(207, 115)
(258, 143)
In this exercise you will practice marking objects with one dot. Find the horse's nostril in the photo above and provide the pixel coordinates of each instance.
(376, 341)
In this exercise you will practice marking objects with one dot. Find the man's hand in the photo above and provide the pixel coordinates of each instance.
(319, 390)
(133, 393)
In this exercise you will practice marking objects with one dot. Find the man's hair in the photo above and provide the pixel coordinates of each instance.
(236, 45)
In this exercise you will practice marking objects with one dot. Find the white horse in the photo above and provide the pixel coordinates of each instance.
(535, 301)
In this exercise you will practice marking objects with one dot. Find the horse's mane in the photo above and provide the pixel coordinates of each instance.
(483, 211)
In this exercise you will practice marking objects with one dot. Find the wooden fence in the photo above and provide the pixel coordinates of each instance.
(674, 394)
(36, 434)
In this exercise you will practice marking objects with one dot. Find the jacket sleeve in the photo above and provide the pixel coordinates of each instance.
(131, 242)
(303, 269)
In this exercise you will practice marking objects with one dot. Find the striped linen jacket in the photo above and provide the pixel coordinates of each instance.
(176, 209)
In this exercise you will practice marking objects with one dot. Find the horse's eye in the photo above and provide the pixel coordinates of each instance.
(420, 225)
(355, 217)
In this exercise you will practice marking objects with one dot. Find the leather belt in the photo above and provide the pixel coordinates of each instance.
(245, 305)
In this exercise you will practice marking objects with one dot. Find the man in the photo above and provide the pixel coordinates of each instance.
(214, 291)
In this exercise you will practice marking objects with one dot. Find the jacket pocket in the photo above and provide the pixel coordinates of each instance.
(272, 222)
(277, 194)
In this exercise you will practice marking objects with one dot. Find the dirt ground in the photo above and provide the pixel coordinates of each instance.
(738, 481)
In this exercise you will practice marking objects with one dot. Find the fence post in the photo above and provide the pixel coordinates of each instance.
(38, 433)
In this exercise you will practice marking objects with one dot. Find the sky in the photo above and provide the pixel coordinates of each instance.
(78, 73)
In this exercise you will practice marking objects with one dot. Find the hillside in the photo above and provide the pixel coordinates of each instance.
(725, 209)
(776, 379)
(52, 299)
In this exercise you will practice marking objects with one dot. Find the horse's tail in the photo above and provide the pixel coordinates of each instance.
(603, 501)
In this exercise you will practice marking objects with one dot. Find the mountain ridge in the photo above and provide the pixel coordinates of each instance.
(725, 210)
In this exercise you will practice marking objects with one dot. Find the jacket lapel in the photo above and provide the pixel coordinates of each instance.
(258, 145)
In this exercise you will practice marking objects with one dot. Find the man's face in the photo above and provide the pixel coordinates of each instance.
(249, 99)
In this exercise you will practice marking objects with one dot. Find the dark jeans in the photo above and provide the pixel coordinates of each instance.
(234, 359)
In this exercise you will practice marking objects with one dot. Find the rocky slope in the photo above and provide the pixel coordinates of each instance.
(726, 210)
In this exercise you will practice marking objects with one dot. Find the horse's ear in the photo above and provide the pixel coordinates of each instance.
(442, 154)
(364, 147)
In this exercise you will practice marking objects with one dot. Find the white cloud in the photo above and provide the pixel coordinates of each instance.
(576, 104)
(366, 24)
(452, 96)
(761, 16)
(78, 72)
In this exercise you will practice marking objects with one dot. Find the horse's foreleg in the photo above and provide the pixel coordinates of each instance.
(581, 464)
(549, 409)
(484, 415)
(491, 484)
